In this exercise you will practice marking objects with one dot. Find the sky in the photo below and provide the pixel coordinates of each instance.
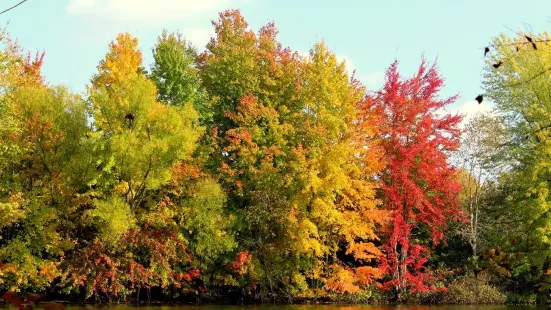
(368, 34)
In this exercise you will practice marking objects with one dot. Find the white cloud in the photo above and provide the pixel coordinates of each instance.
(144, 10)
(198, 36)
(471, 108)
(373, 81)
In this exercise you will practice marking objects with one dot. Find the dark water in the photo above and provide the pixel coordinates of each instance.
(304, 307)
(295, 307)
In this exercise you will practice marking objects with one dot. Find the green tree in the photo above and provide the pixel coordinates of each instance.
(148, 212)
(520, 89)
(143, 138)
(175, 73)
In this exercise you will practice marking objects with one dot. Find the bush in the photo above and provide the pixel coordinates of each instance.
(463, 291)
(524, 299)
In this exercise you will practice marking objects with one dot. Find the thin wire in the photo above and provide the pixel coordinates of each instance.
(13, 7)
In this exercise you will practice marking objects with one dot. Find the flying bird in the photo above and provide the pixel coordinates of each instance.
(479, 99)
(486, 50)
(497, 65)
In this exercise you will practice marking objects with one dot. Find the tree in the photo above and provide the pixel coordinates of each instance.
(481, 160)
(283, 141)
(43, 164)
(520, 89)
(340, 163)
(233, 52)
(175, 73)
(246, 145)
(143, 200)
(419, 186)
(144, 138)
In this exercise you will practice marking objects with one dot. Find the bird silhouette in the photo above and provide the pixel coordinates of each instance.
(497, 65)
(479, 99)
(486, 50)
(529, 39)
(130, 118)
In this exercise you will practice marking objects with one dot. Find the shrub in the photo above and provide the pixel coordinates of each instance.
(464, 291)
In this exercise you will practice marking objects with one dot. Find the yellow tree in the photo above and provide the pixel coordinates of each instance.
(144, 138)
(43, 162)
(139, 144)
(339, 162)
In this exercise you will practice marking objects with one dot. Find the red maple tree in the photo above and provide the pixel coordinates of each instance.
(419, 186)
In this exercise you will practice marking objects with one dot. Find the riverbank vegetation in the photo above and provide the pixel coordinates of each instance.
(248, 172)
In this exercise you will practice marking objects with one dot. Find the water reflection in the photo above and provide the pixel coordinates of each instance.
(304, 307)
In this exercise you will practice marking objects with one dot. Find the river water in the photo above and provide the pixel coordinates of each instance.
(305, 307)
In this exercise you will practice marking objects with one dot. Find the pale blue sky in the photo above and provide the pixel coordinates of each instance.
(368, 34)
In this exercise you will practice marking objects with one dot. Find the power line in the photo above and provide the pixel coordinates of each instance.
(13, 7)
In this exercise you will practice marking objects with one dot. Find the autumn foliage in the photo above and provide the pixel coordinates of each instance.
(419, 185)
(246, 168)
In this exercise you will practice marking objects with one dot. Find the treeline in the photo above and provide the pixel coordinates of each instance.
(247, 172)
